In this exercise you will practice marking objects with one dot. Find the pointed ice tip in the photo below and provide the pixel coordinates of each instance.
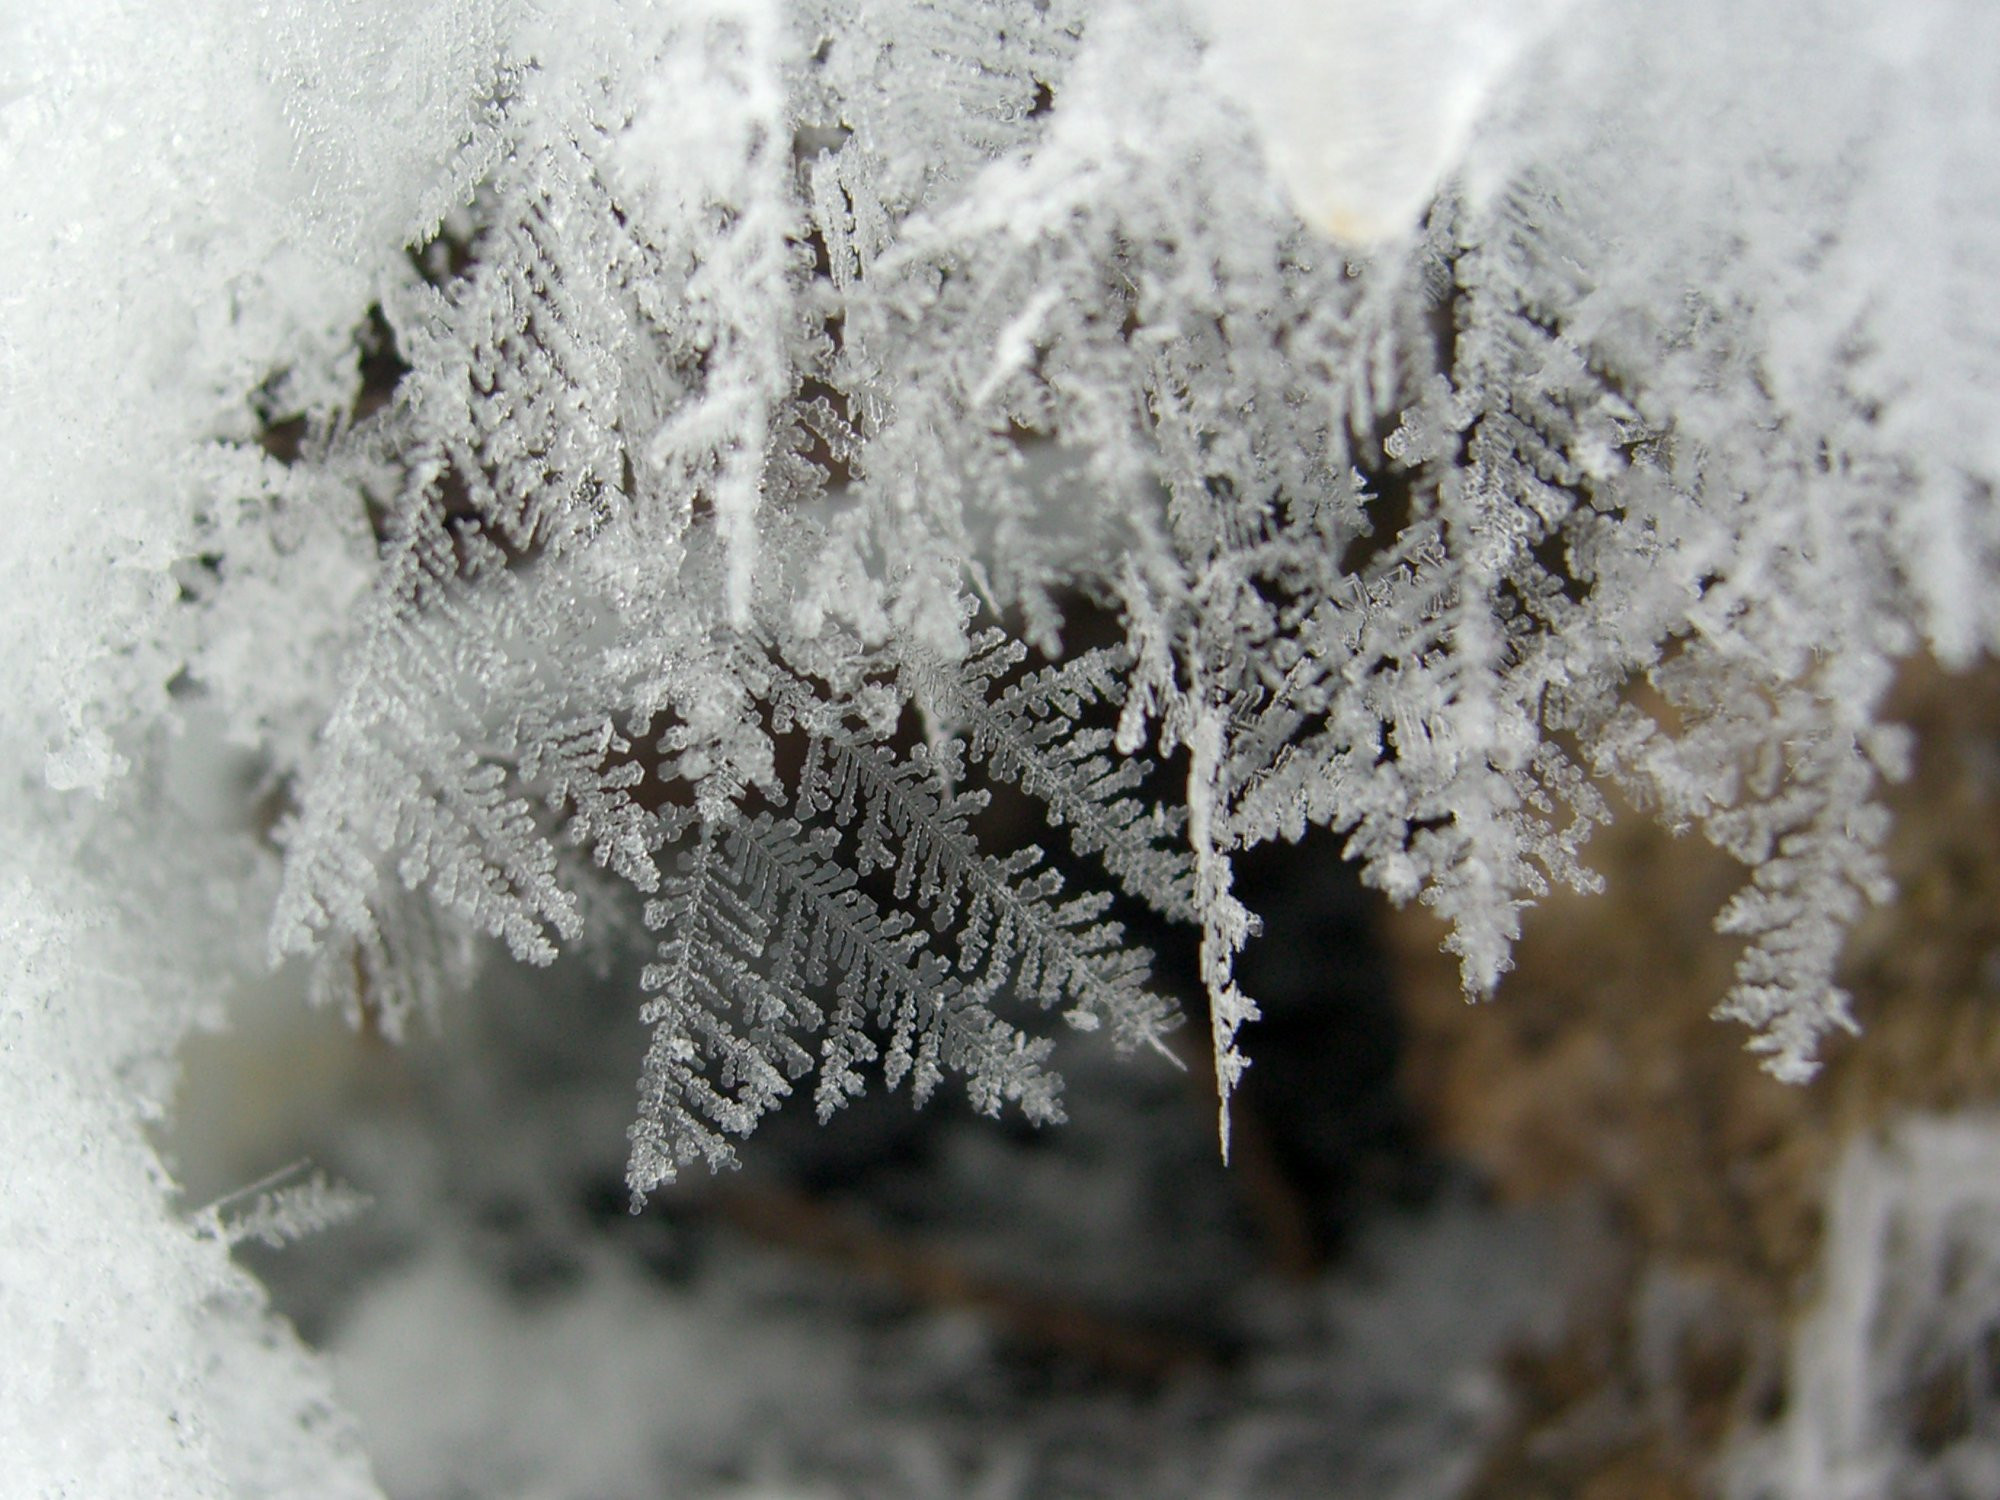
(1159, 1044)
(1365, 107)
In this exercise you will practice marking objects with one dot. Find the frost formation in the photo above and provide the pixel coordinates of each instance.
(639, 448)
(618, 472)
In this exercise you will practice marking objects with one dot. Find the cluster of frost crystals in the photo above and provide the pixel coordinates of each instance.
(774, 355)
(197, 210)
(1709, 398)
(606, 467)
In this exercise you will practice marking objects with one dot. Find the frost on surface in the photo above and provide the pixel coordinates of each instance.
(135, 1359)
(626, 454)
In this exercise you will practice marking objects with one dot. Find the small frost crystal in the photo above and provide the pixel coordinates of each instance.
(279, 1210)
(616, 474)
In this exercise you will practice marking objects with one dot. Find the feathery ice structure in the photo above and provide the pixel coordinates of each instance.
(633, 448)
